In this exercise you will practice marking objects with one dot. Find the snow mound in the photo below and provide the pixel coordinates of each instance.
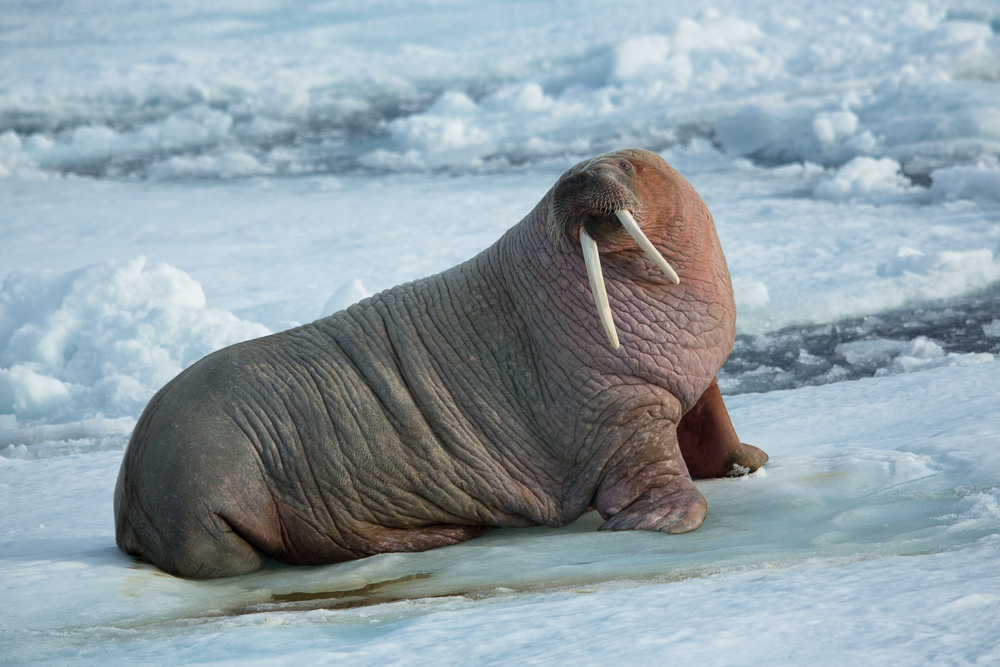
(978, 507)
(979, 181)
(756, 129)
(451, 132)
(347, 294)
(750, 295)
(863, 176)
(648, 59)
(99, 341)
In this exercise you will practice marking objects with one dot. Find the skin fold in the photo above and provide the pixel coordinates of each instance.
(481, 397)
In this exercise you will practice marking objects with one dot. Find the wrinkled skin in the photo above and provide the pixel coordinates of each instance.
(484, 396)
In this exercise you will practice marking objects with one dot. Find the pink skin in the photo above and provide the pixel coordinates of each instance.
(674, 336)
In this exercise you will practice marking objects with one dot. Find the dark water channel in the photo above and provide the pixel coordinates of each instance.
(860, 347)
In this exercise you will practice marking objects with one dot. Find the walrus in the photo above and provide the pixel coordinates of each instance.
(489, 395)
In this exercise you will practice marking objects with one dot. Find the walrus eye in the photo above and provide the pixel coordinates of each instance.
(625, 165)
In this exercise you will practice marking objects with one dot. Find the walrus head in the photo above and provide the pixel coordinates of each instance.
(598, 203)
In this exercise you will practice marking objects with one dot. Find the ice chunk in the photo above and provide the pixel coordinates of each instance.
(192, 128)
(528, 97)
(979, 181)
(347, 294)
(868, 352)
(27, 394)
(111, 334)
(451, 132)
(910, 260)
(648, 58)
(750, 294)
(230, 164)
(863, 176)
(751, 129)
(922, 353)
(832, 127)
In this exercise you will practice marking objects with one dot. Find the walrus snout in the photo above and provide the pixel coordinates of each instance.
(590, 199)
(594, 203)
(602, 226)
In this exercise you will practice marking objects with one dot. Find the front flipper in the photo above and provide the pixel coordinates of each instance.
(709, 443)
(676, 508)
(649, 488)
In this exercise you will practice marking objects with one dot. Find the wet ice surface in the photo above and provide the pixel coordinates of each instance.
(175, 179)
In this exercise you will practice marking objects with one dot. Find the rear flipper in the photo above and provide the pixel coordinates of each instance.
(210, 550)
(709, 443)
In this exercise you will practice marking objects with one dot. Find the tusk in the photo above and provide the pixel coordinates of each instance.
(632, 227)
(593, 261)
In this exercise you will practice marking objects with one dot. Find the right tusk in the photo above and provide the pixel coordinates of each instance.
(592, 259)
(632, 227)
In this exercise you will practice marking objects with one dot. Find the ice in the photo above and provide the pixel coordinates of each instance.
(868, 351)
(94, 343)
(863, 176)
(750, 295)
(750, 130)
(449, 133)
(919, 94)
(346, 295)
(910, 260)
(922, 353)
(27, 394)
(227, 165)
(850, 490)
(979, 181)
(176, 177)
(832, 127)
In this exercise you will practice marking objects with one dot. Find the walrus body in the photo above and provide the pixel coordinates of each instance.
(483, 396)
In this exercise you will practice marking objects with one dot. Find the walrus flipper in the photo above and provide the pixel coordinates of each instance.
(709, 443)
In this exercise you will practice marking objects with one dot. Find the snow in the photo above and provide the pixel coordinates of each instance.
(978, 181)
(863, 176)
(174, 179)
(347, 294)
(82, 347)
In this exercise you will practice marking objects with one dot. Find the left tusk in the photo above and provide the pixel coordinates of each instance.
(592, 259)
(632, 227)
